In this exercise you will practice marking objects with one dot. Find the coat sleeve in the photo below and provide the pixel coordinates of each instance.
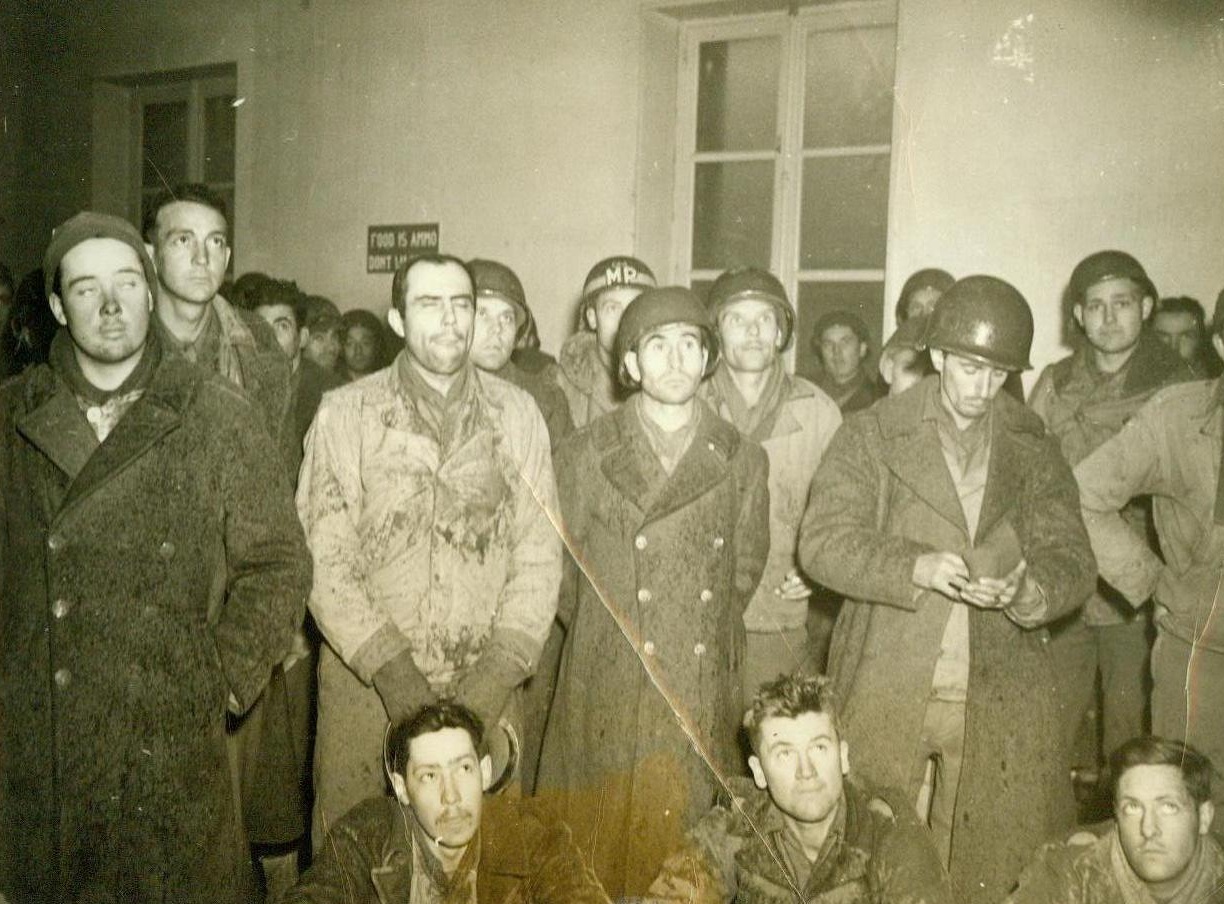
(329, 502)
(340, 872)
(569, 494)
(752, 525)
(1125, 466)
(704, 869)
(529, 595)
(841, 543)
(267, 563)
(1053, 539)
(906, 868)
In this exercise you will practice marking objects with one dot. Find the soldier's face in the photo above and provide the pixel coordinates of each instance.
(104, 300)
(438, 311)
(749, 335)
(493, 333)
(191, 250)
(1160, 826)
(604, 315)
(1179, 331)
(669, 362)
(444, 783)
(967, 385)
(1112, 314)
(284, 324)
(801, 762)
(841, 352)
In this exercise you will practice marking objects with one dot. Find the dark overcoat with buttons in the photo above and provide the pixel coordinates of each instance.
(661, 570)
(142, 582)
(881, 497)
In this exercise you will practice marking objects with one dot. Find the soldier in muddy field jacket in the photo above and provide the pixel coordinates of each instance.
(152, 572)
(426, 492)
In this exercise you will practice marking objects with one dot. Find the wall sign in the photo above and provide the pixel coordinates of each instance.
(389, 246)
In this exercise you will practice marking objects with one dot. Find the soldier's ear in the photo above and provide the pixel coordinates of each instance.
(758, 774)
(845, 758)
(635, 372)
(1147, 304)
(1206, 815)
(400, 788)
(395, 320)
(57, 309)
(937, 359)
(1077, 311)
(1217, 342)
(486, 772)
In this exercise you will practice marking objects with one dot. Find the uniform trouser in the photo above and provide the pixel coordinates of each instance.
(1120, 654)
(937, 770)
(769, 654)
(1188, 700)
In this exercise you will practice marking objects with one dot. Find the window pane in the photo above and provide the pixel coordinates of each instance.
(848, 96)
(164, 144)
(866, 299)
(732, 214)
(845, 213)
(737, 94)
(219, 138)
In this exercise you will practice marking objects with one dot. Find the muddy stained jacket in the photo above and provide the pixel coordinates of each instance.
(876, 852)
(806, 421)
(435, 550)
(525, 858)
(1083, 410)
(1170, 449)
(589, 386)
(1089, 868)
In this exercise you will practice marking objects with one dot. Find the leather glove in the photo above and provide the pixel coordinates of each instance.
(402, 687)
(485, 687)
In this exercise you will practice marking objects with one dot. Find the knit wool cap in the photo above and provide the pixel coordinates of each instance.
(91, 225)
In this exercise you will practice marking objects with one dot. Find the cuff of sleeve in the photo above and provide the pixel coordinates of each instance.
(515, 650)
(382, 646)
(1029, 608)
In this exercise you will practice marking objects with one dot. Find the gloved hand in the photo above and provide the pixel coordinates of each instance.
(402, 687)
(486, 685)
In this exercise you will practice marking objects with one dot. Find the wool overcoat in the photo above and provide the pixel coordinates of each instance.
(883, 496)
(661, 570)
(135, 598)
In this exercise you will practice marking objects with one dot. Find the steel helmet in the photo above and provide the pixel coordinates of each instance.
(1105, 265)
(612, 273)
(752, 283)
(983, 318)
(495, 279)
(659, 307)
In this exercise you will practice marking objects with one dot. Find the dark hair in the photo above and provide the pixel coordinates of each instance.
(246, 288)
(1150, 750)
(196, 192)
(399, 282)
(840, 318)
(1182, 304)
(362, 318)
(6, 279)
(426, 720)
(930, 278)
(281, 291)
(788, 697)
(319, 309)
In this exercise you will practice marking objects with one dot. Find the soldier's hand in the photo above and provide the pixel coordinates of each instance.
(943, 572)
(994, 593)
(793, 587)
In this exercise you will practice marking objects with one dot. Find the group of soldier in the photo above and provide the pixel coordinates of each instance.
(569, 582)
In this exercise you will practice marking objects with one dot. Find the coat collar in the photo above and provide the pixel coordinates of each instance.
(52, 420)
(912, 452)
(628, 462)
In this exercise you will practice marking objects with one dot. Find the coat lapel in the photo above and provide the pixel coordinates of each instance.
(626, 459)
(701, 468)
(57, 429)
(912, 453)
(1012, 440)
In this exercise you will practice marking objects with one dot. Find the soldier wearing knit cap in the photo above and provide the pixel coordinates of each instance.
(841, 341)
(150, 544)
(587, 372)
(666, 508)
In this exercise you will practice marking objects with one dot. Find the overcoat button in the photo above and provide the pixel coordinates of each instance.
(719, 542)
(699, 649)
(60, 608)
(166, 550)
(640, 541)
(643, 595)
(706, 595)
(62, 677)
(648, 648)
(55, 542)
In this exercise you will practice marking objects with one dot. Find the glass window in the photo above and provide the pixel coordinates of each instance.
(844, 214)
(737, 94)
(848, 86)
(732, 214)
